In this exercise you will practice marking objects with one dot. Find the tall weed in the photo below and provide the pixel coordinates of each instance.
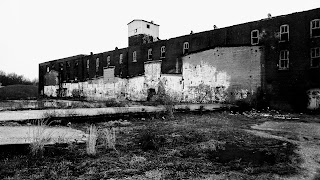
(92, 140)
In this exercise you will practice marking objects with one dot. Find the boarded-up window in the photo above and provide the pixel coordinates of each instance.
(108, 75)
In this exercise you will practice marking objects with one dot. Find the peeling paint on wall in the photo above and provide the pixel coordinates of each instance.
(218, 75)
(224, 74)
(314, 99)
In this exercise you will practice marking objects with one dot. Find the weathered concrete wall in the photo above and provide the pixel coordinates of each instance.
(224, 74)
(314, 99)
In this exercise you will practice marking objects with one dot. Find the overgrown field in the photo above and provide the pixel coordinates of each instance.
(186, 146)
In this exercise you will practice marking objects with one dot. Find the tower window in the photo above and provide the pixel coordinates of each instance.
(254, 37)
(315, 28)
(284, 33)
(315, 57)
(134, 56)
(148, 26)
(163, 52)
(48, 69)
(284, 60)
(149, 54)
(108, 60)
(120, 59)
(185, 47)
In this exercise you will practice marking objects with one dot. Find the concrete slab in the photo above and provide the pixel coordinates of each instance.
(28, 134)
(39, 114)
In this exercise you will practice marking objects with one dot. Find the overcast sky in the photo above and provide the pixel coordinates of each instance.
(35, 31)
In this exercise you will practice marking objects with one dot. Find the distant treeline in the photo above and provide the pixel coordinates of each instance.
(13, 78)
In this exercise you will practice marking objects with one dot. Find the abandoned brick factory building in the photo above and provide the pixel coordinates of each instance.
(273, 61)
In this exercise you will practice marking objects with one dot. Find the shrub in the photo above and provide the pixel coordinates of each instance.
(48, 115)
(150, 139)
(76, 93)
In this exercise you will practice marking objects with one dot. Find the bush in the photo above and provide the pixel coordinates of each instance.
(150, 139)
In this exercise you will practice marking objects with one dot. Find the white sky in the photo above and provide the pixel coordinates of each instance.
(35, 31)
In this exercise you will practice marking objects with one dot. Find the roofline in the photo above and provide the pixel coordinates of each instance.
(66, 58)
(142, 20)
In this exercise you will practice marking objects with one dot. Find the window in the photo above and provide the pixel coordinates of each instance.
(48, 69)
(177, 65)
(134, 56)
(149, 54)
(76, 71)
(61, 66)
(97, 64)
(88, 66)
(135, 30)
(108, 60)
(68, 71)
(315, 57)
(254, 37)
(284, 33)
(148, 26)
(163, 52)
(120, 59)
(315, 28)
(284, 59)
(185, 47)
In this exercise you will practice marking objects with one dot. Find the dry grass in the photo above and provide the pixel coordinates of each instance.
(39, 137)
(92, 140)
(109, 136)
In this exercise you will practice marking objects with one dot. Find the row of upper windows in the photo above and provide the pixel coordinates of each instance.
(284, 32)
(283, 59)
(185, 50)
(314, 54)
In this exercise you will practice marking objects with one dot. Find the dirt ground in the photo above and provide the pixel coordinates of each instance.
(214, 145)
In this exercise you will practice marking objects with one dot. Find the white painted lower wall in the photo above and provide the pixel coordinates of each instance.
(217, 75)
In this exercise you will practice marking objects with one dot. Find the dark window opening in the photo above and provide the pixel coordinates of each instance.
(315, 32)
(148, 26)
(315, 62)
(151, 93)
(76, 70)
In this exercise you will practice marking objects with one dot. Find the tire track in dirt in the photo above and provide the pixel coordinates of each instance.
(307, 140)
